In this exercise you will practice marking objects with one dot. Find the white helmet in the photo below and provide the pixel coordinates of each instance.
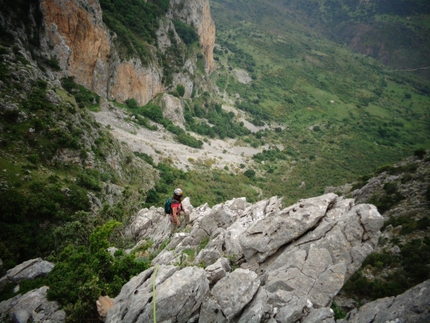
(178, 192)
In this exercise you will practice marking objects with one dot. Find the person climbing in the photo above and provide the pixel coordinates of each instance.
(176, 208)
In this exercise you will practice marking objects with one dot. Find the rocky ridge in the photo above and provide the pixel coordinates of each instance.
(263, 263)
(243, 262)
(401, 193)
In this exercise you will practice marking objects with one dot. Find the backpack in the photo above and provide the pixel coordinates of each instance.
(168, 206)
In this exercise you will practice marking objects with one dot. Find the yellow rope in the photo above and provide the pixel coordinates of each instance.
(153, 295)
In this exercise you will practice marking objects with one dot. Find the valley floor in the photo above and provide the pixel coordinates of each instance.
(160, 145)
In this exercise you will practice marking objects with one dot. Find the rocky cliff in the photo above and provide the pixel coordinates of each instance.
(262, 263)
(74, 33)
(243, 262)
(401, 260)
(197, 14)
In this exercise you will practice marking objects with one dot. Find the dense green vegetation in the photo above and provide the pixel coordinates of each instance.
(45, 210)
(81, 274)
(393, 31)
(135, 23)
(219, 123)
(202, 186)
(401, 260)
(411, 268)
(187, 33)
(339, 114)
(84, 98)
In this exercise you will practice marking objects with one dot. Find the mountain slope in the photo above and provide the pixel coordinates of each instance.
(337, 113)
(395, 32)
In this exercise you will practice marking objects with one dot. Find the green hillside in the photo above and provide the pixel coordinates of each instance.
(395, 32)
(341, 114)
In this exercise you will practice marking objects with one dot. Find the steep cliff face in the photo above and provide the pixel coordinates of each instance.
(197, 13)
(75, 34)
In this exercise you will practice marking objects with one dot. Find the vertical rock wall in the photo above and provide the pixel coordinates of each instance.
(76, 36)
(197, 13)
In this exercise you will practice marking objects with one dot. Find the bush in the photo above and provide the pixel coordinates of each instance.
(82, 274)
(181, 90)
(420, 153)
(189, 140)
(151, 197)
(145, 157)
(385, 168)
(250, 173)
(385, 202)
(337, 311)
(187, 33)
(37, 100)
(152, 111)
(84, 98)
(90, 180)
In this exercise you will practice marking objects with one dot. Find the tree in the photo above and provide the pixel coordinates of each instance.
(250, 173)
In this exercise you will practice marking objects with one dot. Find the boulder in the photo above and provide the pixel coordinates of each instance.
(321, 315)
(32, 307)
(258, 309)
(265, 236)
(235, 291)
(177, 295)
(28, 270)
(218, 270)
(413, 306)
(152, 222)
(104, 303)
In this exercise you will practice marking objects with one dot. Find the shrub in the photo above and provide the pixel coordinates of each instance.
(151, 196)
(181, 90)
(250, 173)
(338, 312)
(90, 180)
(187, 33)
(420, 153)
(385, 168)
(84, 98)
(390, 188)
(37, 100)
(33, 158)
(132, 104)
(82, 274)
(145, 157)
(385, 202)
(424, 223)
(189, 140)
(152, 111)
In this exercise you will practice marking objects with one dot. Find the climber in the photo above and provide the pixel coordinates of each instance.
(176, 208)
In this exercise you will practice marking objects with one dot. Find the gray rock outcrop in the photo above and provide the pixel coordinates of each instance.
(262, 263)
(28, 270)
(178, 295)
(413, 306)
(32, 307)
